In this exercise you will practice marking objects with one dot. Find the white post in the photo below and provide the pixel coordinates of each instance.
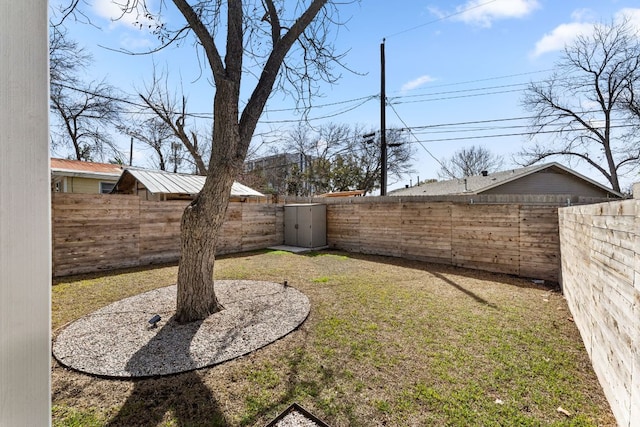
(25, 237)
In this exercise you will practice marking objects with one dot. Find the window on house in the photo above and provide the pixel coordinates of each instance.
(106, 187)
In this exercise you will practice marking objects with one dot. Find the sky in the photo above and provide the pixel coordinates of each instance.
(455, 71)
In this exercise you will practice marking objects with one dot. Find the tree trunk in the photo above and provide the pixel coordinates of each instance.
(200, 227)
(232, 133)
(203, 218)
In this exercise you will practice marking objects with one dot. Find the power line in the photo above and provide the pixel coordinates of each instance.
(442, 18)
(473, 95)
(508, 76)
(144, 108)
(533, 133)
(462, 90)
(328, 116)
(416, 138)
(364, 100)
(322, 105)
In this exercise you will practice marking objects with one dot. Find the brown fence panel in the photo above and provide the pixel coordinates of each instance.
(260, 226)
(94, 232)
(426, 231)
(343, 226)
(539, 242)
(381, 228)
(230, 239)
(160, 231)
(486, 237)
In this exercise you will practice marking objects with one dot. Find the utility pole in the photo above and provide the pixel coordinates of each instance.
(383, 125)
(131, 153)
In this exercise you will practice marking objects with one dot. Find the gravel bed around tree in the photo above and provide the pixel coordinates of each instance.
(118, 341)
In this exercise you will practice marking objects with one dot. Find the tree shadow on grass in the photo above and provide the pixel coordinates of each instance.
(465, 291)
(183, 397)
(300, 388)
(434, 268)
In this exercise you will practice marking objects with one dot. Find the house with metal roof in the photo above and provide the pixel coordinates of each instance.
(75, 176)
(159, 185)
(545, 179)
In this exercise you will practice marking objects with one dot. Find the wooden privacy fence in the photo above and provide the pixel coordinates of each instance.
(515, 239)
(601, 281)
(102, 232)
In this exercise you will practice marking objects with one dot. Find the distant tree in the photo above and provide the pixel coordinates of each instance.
(588, 103)
(172, 111)
(295, 181)
(336, 157)
(470, 161)
(85, 119)
(364, 160)
(154, 133)
(256, 180)
(66, 58)
(271, 171)
(85, 112)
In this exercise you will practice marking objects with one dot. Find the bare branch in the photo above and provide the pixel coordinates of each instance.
(592, 87)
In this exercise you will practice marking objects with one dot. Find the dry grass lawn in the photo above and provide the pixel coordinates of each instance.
(388, 342)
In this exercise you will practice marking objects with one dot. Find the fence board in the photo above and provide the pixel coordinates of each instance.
(101, 232)
(505, 238)
(601, 281)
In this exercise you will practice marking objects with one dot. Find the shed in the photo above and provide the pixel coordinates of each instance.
(160, 185)
(305, 225)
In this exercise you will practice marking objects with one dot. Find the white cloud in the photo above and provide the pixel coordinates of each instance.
(584, 20)
(633, 15)
(113, 11)
(483, 13)
(135, 20)
(416, 83)
(583, 15)
(560, 36)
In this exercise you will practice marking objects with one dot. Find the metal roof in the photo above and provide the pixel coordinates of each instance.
(160, 182)
(478, 183)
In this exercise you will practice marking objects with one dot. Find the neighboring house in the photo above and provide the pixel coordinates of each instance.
(159, 185)
(546, 179)
(75, 176)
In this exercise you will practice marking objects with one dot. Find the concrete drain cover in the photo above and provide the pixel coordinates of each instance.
(296, 416)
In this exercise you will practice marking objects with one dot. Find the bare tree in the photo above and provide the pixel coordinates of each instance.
(269, 35)
(85, 112)
(158, 136)
(469, 162)
(586, 103)
(70, 10)
(86, 116)
(66, 58)
(316, 149)
(172, 110)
